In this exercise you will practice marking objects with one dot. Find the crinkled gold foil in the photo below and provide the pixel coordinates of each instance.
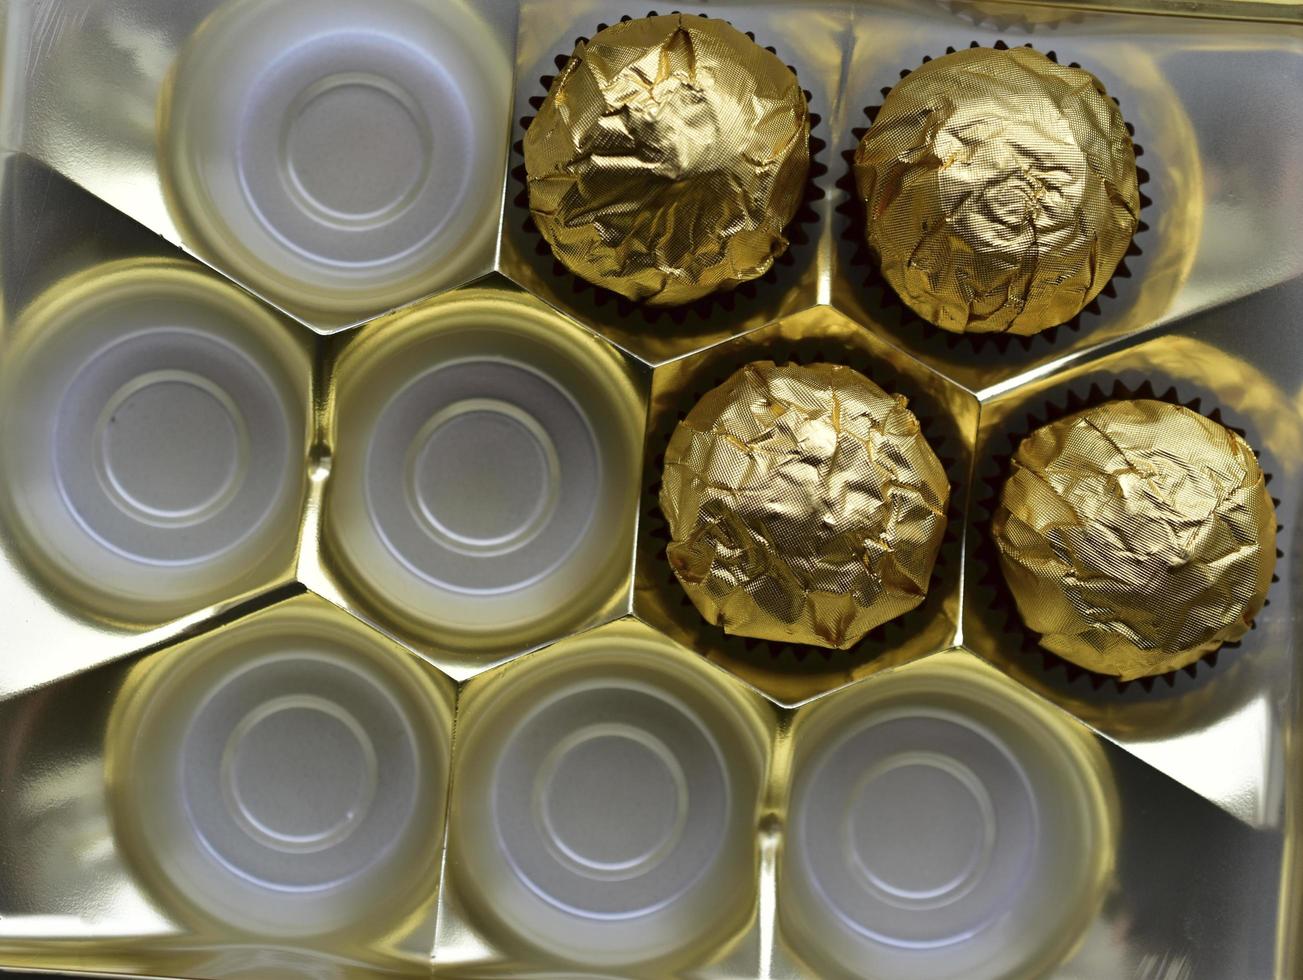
(1000, 190)
(804, 504)
(1136, 536)
(667, 159)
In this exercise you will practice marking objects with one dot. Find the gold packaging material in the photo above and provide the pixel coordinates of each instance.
(667, 159)
(1136, 536)
(804, 504)
(1205, 765)
(1000, 190)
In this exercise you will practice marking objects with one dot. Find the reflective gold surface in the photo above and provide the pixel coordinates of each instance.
(804, 504)
(617, 708)
(95, 83)
(83, 805)
(933, 725)
(1201, 762)
(370, 186)
(816, 53)
(1000, 190)
(1162, 91)
(330, 748)
(667, 159)
(485, 343)
(74, 321)
(55, 238)
(1137, 536)
(787, 669)
(1215, 726)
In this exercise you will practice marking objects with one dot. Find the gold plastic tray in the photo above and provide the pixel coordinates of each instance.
(677, 802)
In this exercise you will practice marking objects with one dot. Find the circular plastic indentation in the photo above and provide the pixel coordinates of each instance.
(606, 802)
(516, 485)
(921, 803)
(323, 166)
(486, 472)
(934, 816)
(154, 460)
(943, 824)
(285, 746)
(646, 788)
(172, 447)
(497, 492)
(284, 776)
(339, 158)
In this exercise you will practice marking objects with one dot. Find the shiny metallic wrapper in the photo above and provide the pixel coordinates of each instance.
(667, 159)
(1000, 190)
(1136, 536)
(804, 504)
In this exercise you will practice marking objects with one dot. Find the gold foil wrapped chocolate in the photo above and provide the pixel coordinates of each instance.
(667, 159)
(1136, 536)
(804, 504)
(1000, 190)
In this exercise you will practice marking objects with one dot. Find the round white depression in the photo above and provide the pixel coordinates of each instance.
(292, 775)
(487, 467)
(485, 476)
(155, 464)
(498, 476)
(605, 810)
(340, 158)
(939, 829)
(664, 801)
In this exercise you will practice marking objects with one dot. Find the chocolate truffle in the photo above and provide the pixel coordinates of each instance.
(1136, 536)
(1000, 190)
(804, 504)
(668, 157)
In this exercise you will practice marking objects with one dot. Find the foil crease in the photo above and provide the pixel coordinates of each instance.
(1000, 190)
(804, 504)
(668, 157)
(1136, 536)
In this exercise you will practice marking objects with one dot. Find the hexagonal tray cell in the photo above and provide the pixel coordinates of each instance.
(942, 823)
(276, 783)
(337, 159)
(604, 803)
(1218, 725)
(483, 485)
(157, 423)
(926, 801)
(947, 414)
(815, 53)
